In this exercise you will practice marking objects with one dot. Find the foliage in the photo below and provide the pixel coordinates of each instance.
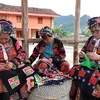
(67, 22)
(86, 32)
(61, 33)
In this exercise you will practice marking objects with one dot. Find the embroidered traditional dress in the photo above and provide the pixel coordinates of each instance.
(54, 50)
(86, 80)
(13, 52)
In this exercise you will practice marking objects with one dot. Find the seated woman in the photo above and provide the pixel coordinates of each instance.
(51, 55)
(12, 77)
(86, 78)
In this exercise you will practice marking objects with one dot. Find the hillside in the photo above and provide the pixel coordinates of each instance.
(67, 22)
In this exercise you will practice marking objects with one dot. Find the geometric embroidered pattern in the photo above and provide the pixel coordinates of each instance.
(14, 81)
(28, 70)
(85, 78)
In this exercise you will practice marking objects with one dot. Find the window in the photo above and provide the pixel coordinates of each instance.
(18, 34)
(32, 33)
(3, 17)
(40, 20)
(19, 19)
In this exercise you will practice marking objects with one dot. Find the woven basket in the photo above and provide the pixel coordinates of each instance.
(51, 92)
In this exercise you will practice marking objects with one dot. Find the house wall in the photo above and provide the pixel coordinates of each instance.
(33, 25)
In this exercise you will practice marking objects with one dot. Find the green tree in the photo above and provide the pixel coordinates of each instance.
(87, 33)
(61, 32)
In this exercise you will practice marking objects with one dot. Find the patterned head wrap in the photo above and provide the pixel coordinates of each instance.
(46, 31)
(6, 27)
(93, 21)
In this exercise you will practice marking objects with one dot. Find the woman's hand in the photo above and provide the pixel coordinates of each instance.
(28, 61)
(9, 65)
(50, 59)
(81, 54)
(93, 56)
(2, 66)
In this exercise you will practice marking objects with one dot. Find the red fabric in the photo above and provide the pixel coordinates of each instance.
(72, 72)
(93, 80)
(77, 66)
(97, 73)
(81, 73)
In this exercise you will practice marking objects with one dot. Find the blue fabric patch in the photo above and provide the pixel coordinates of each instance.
(49, 51)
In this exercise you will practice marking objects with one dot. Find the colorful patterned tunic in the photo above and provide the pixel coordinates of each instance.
(15, 54)
(56, 52)
(85, 79)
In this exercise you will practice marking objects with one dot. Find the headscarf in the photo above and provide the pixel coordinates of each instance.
(6, 27)
(46, 31)
(93, 21)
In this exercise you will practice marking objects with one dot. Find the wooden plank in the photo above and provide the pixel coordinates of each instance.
(65, 41)
(71, 41)
(37, 40)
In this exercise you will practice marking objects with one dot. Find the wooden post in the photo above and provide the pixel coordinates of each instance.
(76, 31)
(25, 25)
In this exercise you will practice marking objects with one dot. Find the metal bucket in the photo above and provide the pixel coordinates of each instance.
(51, 92)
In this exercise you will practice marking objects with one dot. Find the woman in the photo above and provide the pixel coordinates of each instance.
(86, 79)
(51, 54)
(12, 77)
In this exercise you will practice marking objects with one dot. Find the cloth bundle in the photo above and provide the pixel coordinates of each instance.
(88, 63)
